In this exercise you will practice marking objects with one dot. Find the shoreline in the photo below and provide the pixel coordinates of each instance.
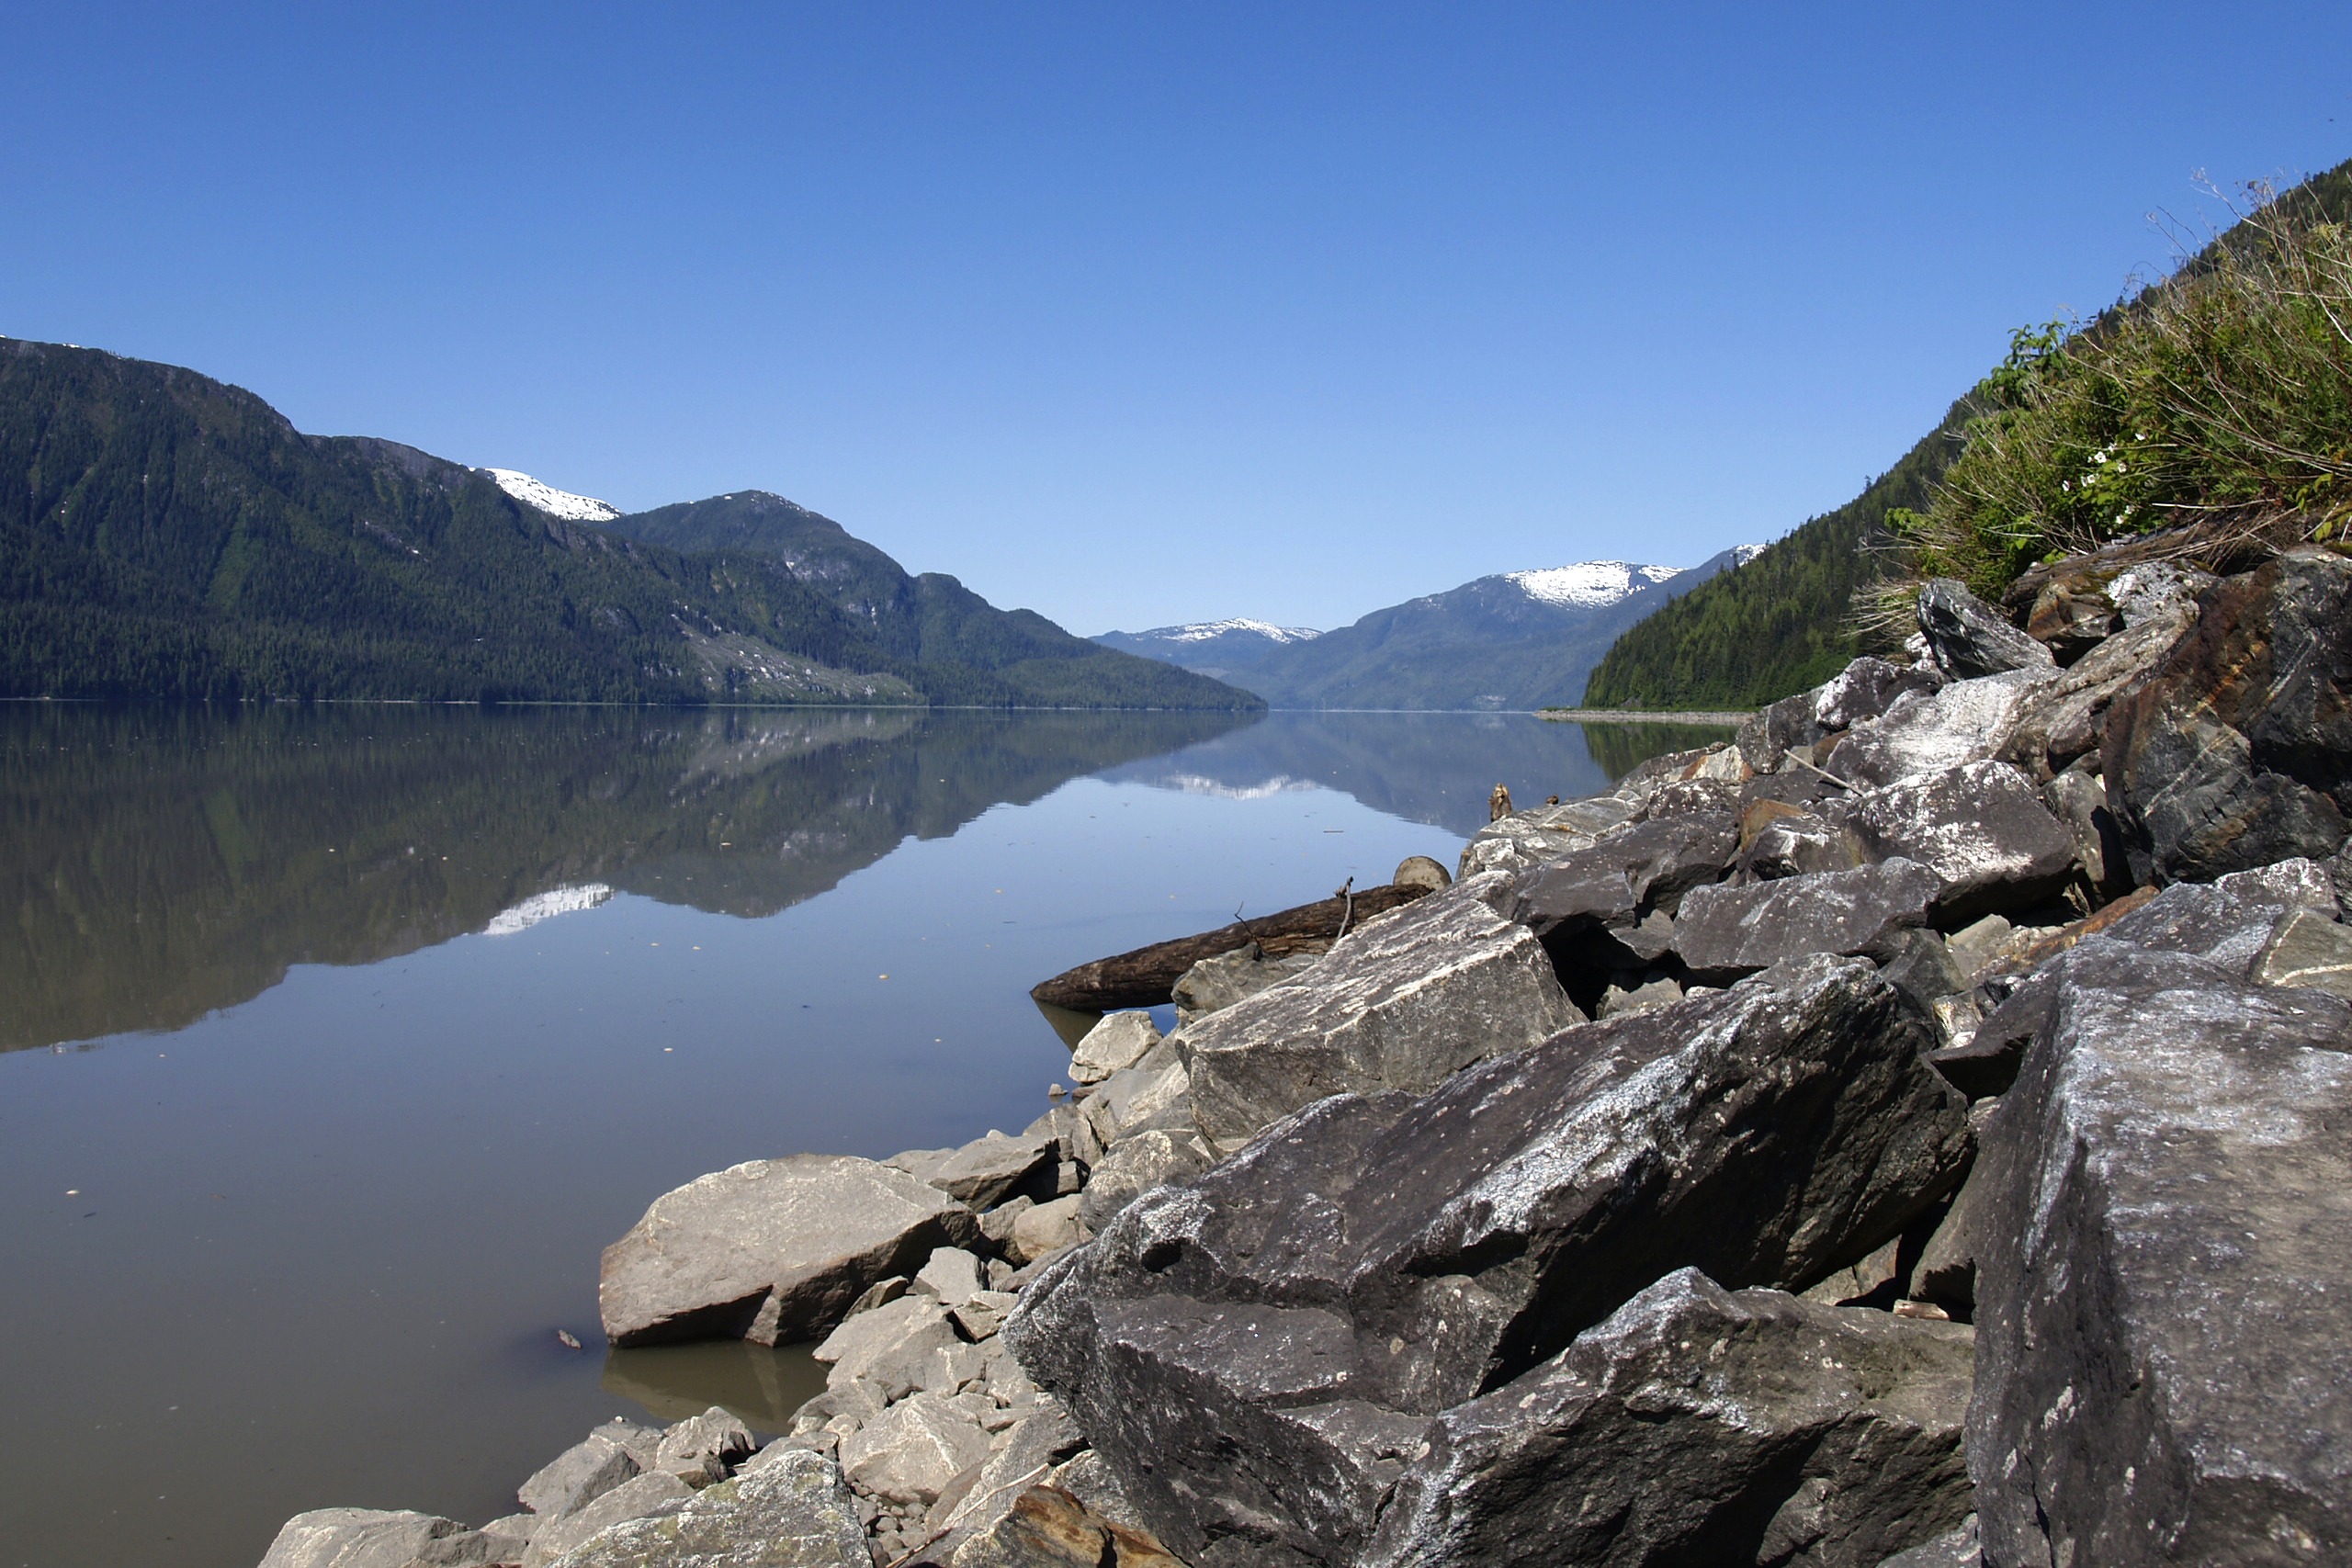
(1641, 715)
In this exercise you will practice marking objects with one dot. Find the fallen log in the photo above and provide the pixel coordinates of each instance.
(1147, 976)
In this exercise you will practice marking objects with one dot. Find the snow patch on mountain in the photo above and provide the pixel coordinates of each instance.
(553, 501)
(1589, 585)
(1202, 631)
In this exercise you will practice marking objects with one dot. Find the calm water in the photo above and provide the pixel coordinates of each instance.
(335, 1044)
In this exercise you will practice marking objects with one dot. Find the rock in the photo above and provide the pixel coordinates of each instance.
(2307, 948)
(1047, 1228)
(1273, 1334)
(1216, 983)
(773, 1251)
(888, 1347)
(953, 1275)
(1956, 1548)
(1727, 932)
(1087, 1478)
(1527, 839)
(1880, 1274)
(1663, 991)
(646, 1496)
(2079, 802)
(1967, 637)
(997, 1223)
(917, 1446)
(2070, 621)
(1069, 1126)
(1966, 721)
(2061, 720)
(358, 1538)
(1025, 1454)
(1400, 1003)
(1980, 828)
(2292, 884)
(1975, 948)
(1864, 690)
(2228, 927)
(986, 1171)
(1121, 1040)
(1946, 1272)
(1625, 875)
(1421, 871)
(2158, 591)
(1697, 1424)
(792, 1511)
(1784, 843)
(1135, 1166)
(2163, 1301)
(577, 1476)
(1767, 737)
(1047, 1528)
(1157, 1092)
(702, 1449)
(2238, 750)
(981, 1314)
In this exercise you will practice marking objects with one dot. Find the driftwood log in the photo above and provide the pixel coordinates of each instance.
(1147, 976)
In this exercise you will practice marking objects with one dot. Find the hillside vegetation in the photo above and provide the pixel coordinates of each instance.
(164, 534)
(2220, 396)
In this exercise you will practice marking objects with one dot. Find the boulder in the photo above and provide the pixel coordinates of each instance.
(1527, 839)
(1047, 1228)
(773, 1251)
(647, 1497)
(361, 1538)
(2163, 1300)
(1980, 828)
(1135, 1166)
(1968, 637)
(1047, 1528)
(1626, 874)
(1216, 983)
(1122, 1039)
(2307, 948)
(577, 1476)
(2078, 800)
(1956, 1548)
(952, 1276)
(1727, 933)
(790, 1512)
(889, 1348)
(1262, 1347)
(1788, 843)
(1398, 1003)
(2061, 720)
(1928, 732)
(2238, 750)
(1699, 1425)
(1155, 1092)
(914, 1450)
(702, 1449)
(986, 1171)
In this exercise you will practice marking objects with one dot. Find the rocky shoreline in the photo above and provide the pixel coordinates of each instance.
(1912, 1134)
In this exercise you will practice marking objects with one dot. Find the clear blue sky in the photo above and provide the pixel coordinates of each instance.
(1133, 312)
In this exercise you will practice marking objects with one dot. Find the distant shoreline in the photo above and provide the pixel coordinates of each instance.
(1629, 715)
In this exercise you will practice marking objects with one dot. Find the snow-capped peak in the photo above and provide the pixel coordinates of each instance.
(1742, 554)
(553, 501)
(1589, 585)
(1202, 631)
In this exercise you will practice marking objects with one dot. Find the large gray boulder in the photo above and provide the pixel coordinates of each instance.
(1634, 871)
(1980, 828)
(577, 1476)
(1968, 637)
(2238, 750)
(1725, 933)
(2066, 719)
(1699, 1425)
(1527, 838)
(791, 1512)
(1257, 1352)
(1214, 984)
(1401, 1002)
(1927, 732)
(376, 1537)
(772, 1251)
(654, 1492)
(2163, 1298)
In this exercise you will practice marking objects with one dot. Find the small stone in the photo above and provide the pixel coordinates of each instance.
(1121, 1040)
(952, 1275)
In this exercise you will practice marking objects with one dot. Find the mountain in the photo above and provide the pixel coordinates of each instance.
(1516, 640)
(164, 535)
(553, 501)
(931, 618)
(1224, 651)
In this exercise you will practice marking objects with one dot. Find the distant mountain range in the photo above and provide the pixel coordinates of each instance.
(1516, 640)
(164, 535)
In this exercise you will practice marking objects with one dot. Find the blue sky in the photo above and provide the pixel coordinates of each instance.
(1135, 313)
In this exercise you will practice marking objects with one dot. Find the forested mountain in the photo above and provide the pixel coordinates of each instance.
(1516, 640)
(163, 534)
(931, 618)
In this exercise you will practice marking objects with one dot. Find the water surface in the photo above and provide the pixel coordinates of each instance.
(334, 1043)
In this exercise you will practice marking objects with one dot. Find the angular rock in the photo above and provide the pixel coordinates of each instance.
(2163, 1300)
(791, 1512)
(1527, 839)
(986, 1171)
(1963, 722)
(1047, 1528)
(2064, 720)
(1025, 1454)
(702, 1449)
(1157, 1092)
(1626, 874)
(1135, 1166)
(917, 1446)
(2079, 802)
(1121, 1040)
(1220, 982)
(1980, 828)
(2293, 884)
(1399, 1003)
(1663, 991)
(1727, 932)
(1255, 1351)
(1956, 1548)
(1048, 1228)
(358, 1538)
(1767, 737)
(577, 1477)
(888, 1347)
(2238, 750)
(646, 1496)
(2227, 927)
(773, 1251)
(1704, 1425)
(1968, 637)
(2307, 948)
(1785, 843)
(952, 1276)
